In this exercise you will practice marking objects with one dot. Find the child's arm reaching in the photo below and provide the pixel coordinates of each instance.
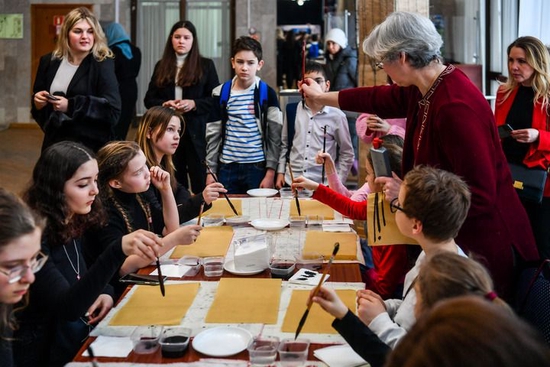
(161, 180)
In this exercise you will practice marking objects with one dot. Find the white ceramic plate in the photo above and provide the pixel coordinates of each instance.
(222, 341)
(230, 267)
(262, 192)
(267, 224)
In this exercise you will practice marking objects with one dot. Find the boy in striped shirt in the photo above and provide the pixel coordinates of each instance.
(243, 146)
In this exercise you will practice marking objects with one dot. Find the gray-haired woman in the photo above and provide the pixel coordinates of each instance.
(451, 126)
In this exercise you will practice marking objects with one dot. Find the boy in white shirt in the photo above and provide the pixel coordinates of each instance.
(307, 122)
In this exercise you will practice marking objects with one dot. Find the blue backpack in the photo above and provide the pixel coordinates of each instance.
(260, 106)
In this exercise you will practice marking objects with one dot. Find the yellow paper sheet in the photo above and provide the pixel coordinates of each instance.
(213, 241)
(312, 207)
(221, 206)
(147, 306)
(246, 301)
(318, 321)
(323, 242)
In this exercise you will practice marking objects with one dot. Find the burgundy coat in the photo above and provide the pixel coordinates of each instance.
(459, 135)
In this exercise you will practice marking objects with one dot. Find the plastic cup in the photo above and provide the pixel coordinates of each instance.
(262, 350)
(281, 267)
(213, 220)
(146, 339)
(174, 341)
(194, 262)
(309, 260)
(293, 352)
(213, 266)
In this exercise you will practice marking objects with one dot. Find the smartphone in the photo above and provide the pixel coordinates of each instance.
(504, 131)
(141, 279)
(52, 97)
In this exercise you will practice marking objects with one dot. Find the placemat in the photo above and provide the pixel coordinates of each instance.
(221, 206)
(147, 306)
(323, 242)
(318, 321)
(246, 301)
(213, 241)
(312, 207)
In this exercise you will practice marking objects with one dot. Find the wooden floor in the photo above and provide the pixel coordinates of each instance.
(19, 151)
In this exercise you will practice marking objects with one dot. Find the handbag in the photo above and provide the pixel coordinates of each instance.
(381, 226)
(528, 182)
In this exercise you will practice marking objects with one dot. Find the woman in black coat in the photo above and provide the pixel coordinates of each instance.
(76, 93)
(183, 80)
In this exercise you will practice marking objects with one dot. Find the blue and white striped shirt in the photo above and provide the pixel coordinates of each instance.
(243, 139)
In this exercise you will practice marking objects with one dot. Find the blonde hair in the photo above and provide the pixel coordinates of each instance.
(447, 275)
(100, 50)
(537, 56)
(155, 122)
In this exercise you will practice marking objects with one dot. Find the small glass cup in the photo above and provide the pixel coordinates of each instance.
(213, 220)
(293, 352)
(281, 268)
(213, 266)
(297, 221)
(262, 350)
(174, 341)
(286, 193)
(314, 220)
(146, 339)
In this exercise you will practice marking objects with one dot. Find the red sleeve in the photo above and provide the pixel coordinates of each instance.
(390, 266)
(340, 203)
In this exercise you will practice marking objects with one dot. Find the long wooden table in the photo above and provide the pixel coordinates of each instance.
(339, 272)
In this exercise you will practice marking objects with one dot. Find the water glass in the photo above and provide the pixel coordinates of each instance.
(213, 266)
(146, 339)
(293, 352)
(262, 350)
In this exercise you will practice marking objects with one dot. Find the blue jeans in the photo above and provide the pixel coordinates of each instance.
(238, 178)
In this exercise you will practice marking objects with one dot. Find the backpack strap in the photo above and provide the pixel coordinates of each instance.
(225, 93)
(260, 109)
(291, 109)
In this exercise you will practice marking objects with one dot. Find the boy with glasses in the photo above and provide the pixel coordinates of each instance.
(431, 207)
(309, 128)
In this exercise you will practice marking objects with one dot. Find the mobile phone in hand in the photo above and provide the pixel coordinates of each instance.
(504, 131)
(52, 97)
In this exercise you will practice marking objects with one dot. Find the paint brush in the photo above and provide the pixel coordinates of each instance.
(295, 190)
(224, 194)
(161, 280)
(324, 150)
(92, 356)
(316, 290)
(303, 69)
(200, 214)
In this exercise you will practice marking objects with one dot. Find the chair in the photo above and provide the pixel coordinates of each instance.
(533, 298)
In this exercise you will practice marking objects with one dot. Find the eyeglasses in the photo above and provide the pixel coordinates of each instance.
(15, 274)
(394, 206)
(379, 65)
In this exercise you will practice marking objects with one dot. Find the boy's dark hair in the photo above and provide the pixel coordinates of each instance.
(315, 67)
(246, 43)
(437, 198)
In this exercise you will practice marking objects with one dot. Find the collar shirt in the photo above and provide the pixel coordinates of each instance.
(308, 141)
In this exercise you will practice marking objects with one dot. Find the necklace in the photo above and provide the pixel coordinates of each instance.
(77, 268)
(424, 104)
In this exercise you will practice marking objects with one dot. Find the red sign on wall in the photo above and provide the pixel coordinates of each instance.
(58, 19)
